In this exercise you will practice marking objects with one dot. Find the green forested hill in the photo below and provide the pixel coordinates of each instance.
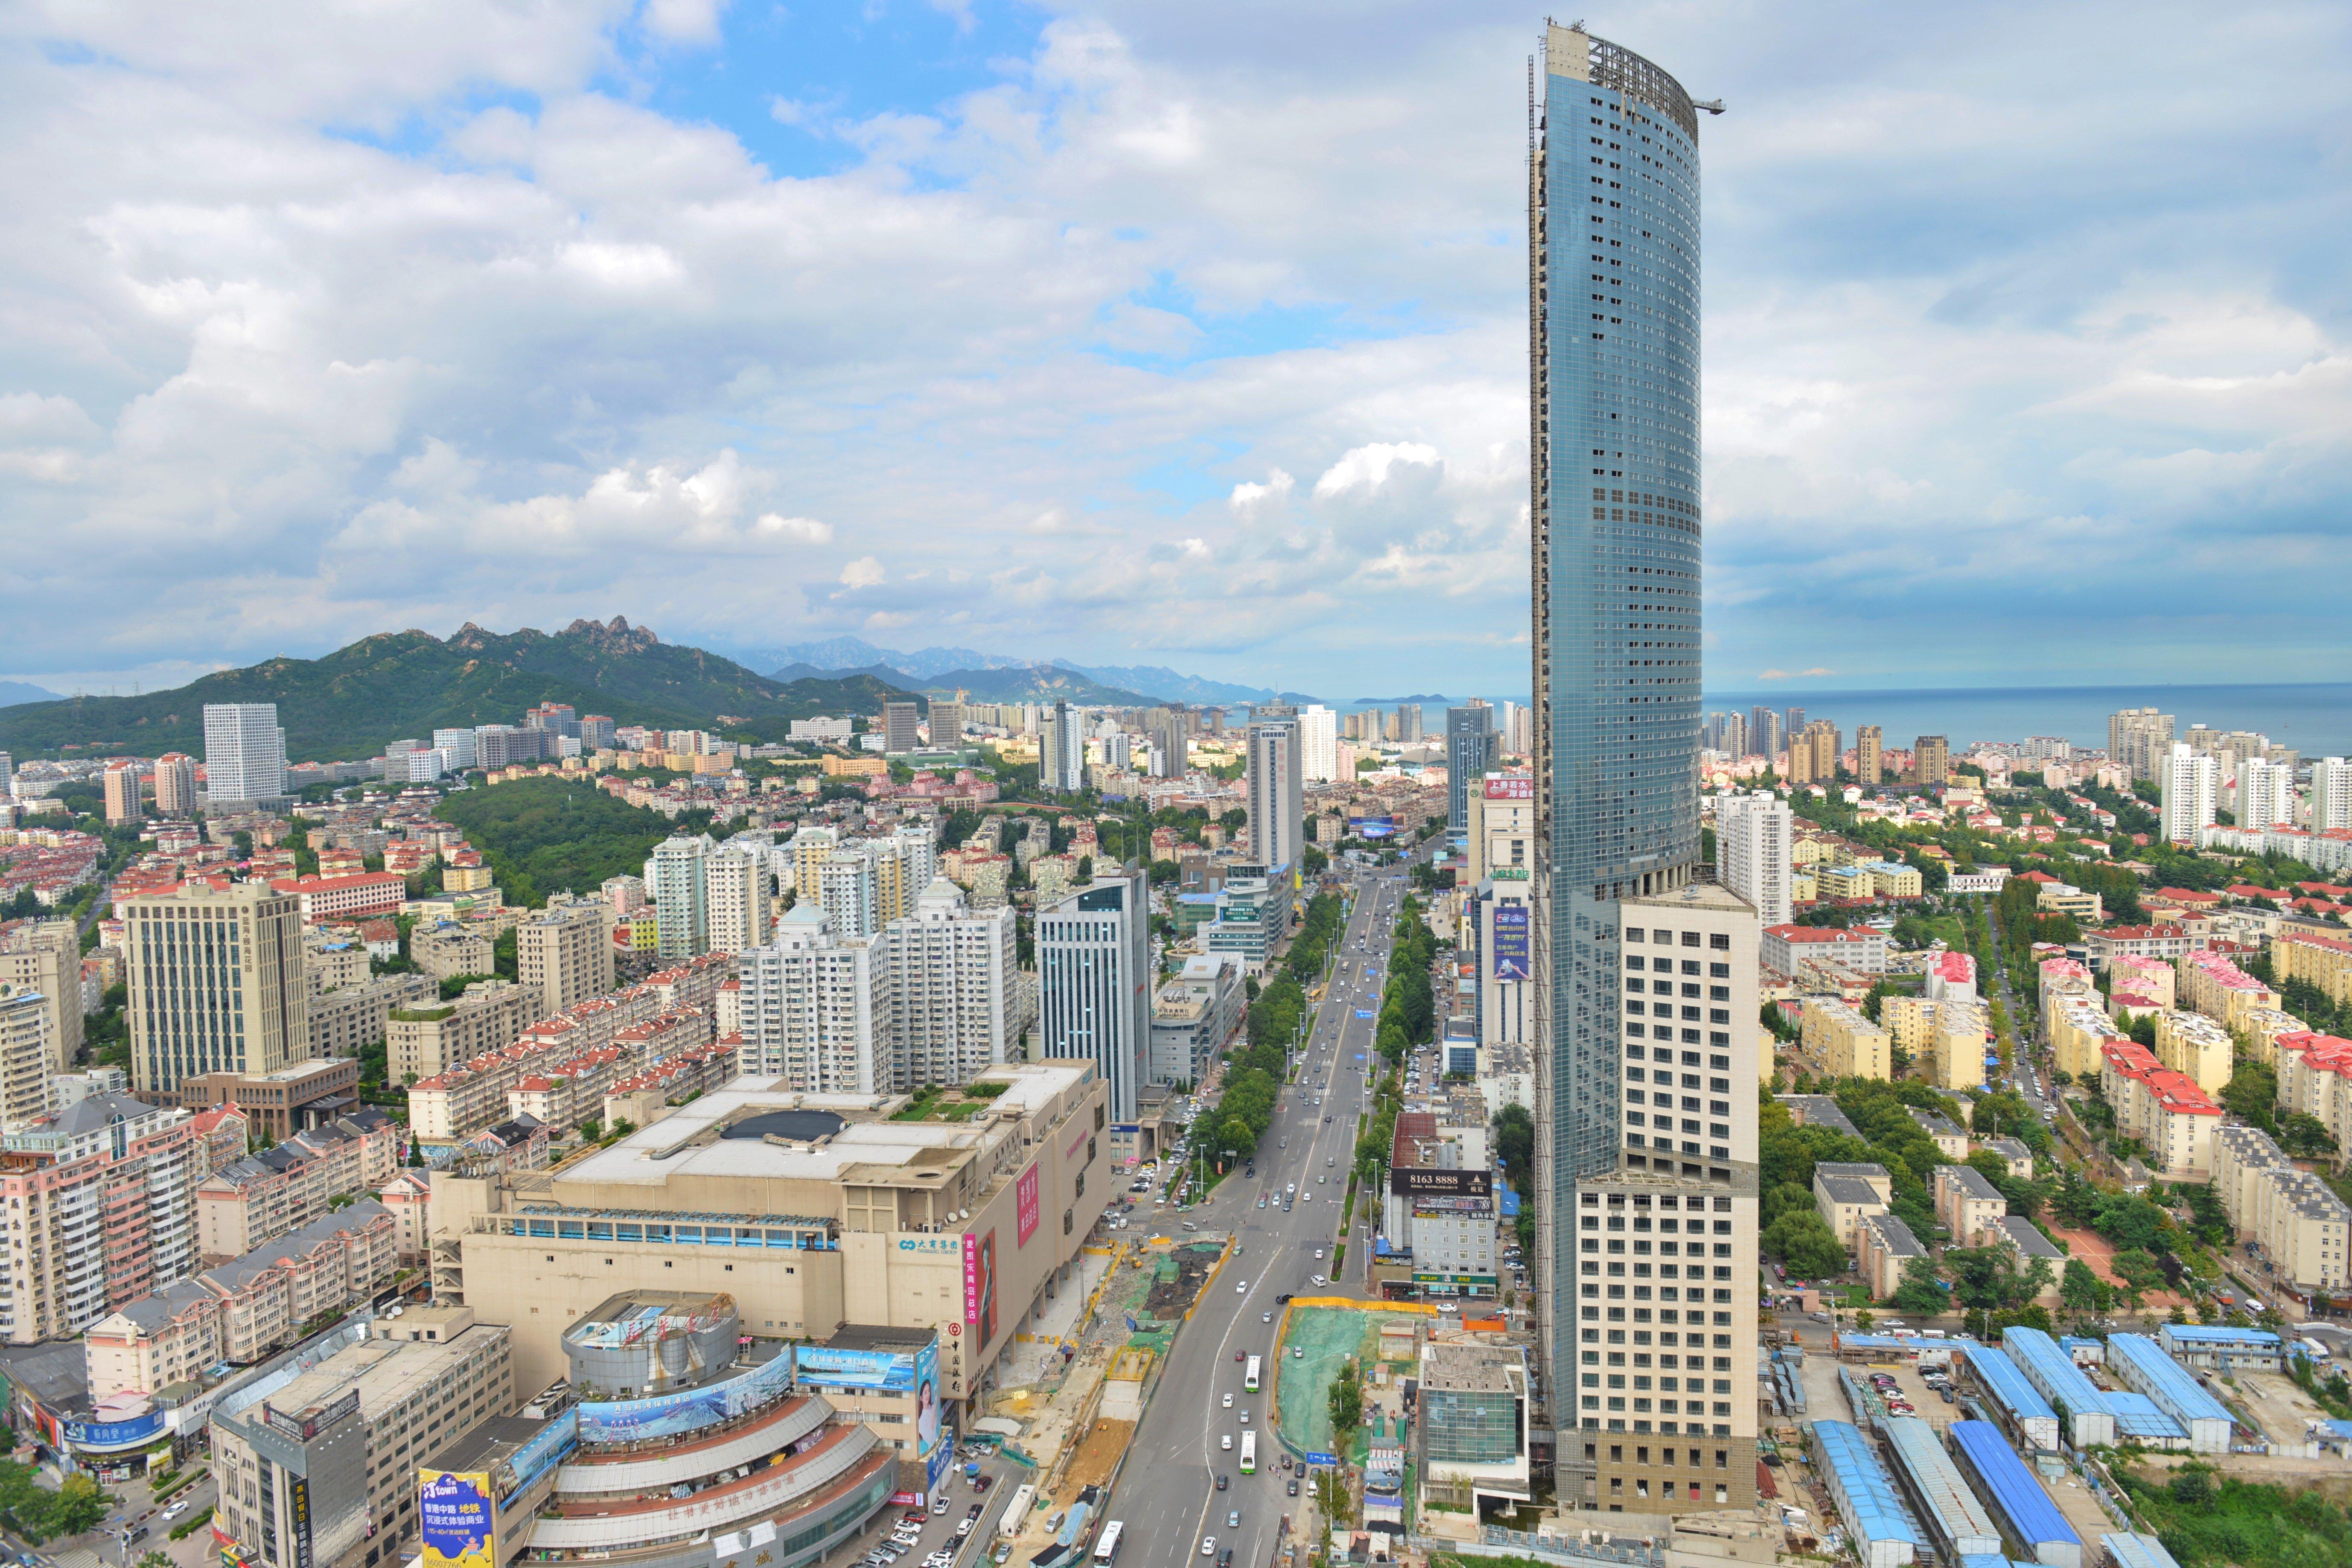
(542, 835)
(405, 685)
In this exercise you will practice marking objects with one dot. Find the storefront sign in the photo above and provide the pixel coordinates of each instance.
(1510, 786)
(1024, 1206)
(1512, 961)
(454, 1517)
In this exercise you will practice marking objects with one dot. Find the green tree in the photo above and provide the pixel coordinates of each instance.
(2130, 1220)
(1918, 1291)
(1805, 1245)
(1515, 1145)
(2080, 1290)
(1346, 1401)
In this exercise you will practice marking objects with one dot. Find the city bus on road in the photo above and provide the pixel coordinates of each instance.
(1249, 1376)
(1249, 1453)
(1107, 1545)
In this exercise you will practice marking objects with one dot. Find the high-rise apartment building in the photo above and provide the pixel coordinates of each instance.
(1408, 723)
(2139, 739)
(175, 784)
(125, 796)
(458, 744)
(27, 1059)
(245, 754)
(1754, 835)
(2265, 794)
(816, 1008)
(564, 953)
(2191, 786)
(1061, 751)
(1869, 760)
(102, 1208)
(847, 890)
(1763, 732)
(46, 956)
(957, 997)
(1319, 744)
(947, 722)
(1094, 983)
(735, 888)
(2331, 793)
(677, 885)
(1931, 758)
(1271, 764)
(215, 982)
(1469, 752)
(1614, 287)
(899, 726)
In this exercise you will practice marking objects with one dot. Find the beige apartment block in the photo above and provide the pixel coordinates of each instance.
(1883, 1245)
(2212, 984)
(421, 1042)
(2260, 1030)
(331, 961)
(2305, 1230)
(564, 953)
(1966, 1203)
(2323, 962)
(2196, 1048)
(46, 956)
(25, 1055)
(1956, 1045)
(217, 983)
(2078, 1031)
(448, 950)
(1909, 1021)
(1842, 1043)
(811, 1210)
(1846, 1195)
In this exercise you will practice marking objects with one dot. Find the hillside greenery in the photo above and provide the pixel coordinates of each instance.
(542, 835)
(405, 685)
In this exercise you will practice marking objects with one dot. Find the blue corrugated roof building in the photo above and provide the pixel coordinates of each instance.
(2017, 1402)
(2031, 1524)
(1865, 1493)
(2090, 1419)
(1934, 1487)
(2136, 1552)
(2219, 1348)
(2140, 1361)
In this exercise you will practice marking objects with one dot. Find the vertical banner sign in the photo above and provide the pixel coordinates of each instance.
(299, 1498)
(1024, 1206)
(970, 1277)
(1511, 956)
(987, 1317)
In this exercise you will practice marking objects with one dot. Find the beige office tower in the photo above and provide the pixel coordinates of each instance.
(25, 1055)
(736, 887)
(1931, 758)
(1664, 1394)
(46, 956)
(1869, 754)
(217, 983)
(565, 953)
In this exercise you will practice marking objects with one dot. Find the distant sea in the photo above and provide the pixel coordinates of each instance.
(2315, 720)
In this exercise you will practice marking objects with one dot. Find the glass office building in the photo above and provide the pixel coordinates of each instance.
(1614, 210)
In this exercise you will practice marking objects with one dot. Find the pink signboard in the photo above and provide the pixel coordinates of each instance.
(970, 1277)
(1025, 1207)
(1510, 786)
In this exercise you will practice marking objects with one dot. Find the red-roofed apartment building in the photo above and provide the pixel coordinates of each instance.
(1861, 950)
(345, 898)
(2163, 1109)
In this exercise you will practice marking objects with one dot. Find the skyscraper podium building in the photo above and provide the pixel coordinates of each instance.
(1645, 1147)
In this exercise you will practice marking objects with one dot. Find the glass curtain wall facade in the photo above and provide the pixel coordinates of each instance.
(1614, 238)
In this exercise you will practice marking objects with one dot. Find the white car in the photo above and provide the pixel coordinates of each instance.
(1245, 1418)
(1314, 1279)
(1318, 1254)
(1226, 1441)
(1208, 1546)
(1229, 1402)
(1241, 1288)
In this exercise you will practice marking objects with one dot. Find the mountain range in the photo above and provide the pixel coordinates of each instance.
(15, 691)
(405, 685)
(997, 678)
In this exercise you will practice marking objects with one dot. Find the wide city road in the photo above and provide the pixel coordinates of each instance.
(1167, 1492)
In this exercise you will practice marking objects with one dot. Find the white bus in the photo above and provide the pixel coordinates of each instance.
(1016, 1512)
(1107, 1545)
(1249, 1453)
(1249, 1376)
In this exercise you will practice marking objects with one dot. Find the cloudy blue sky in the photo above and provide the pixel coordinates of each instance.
(1141, 332)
